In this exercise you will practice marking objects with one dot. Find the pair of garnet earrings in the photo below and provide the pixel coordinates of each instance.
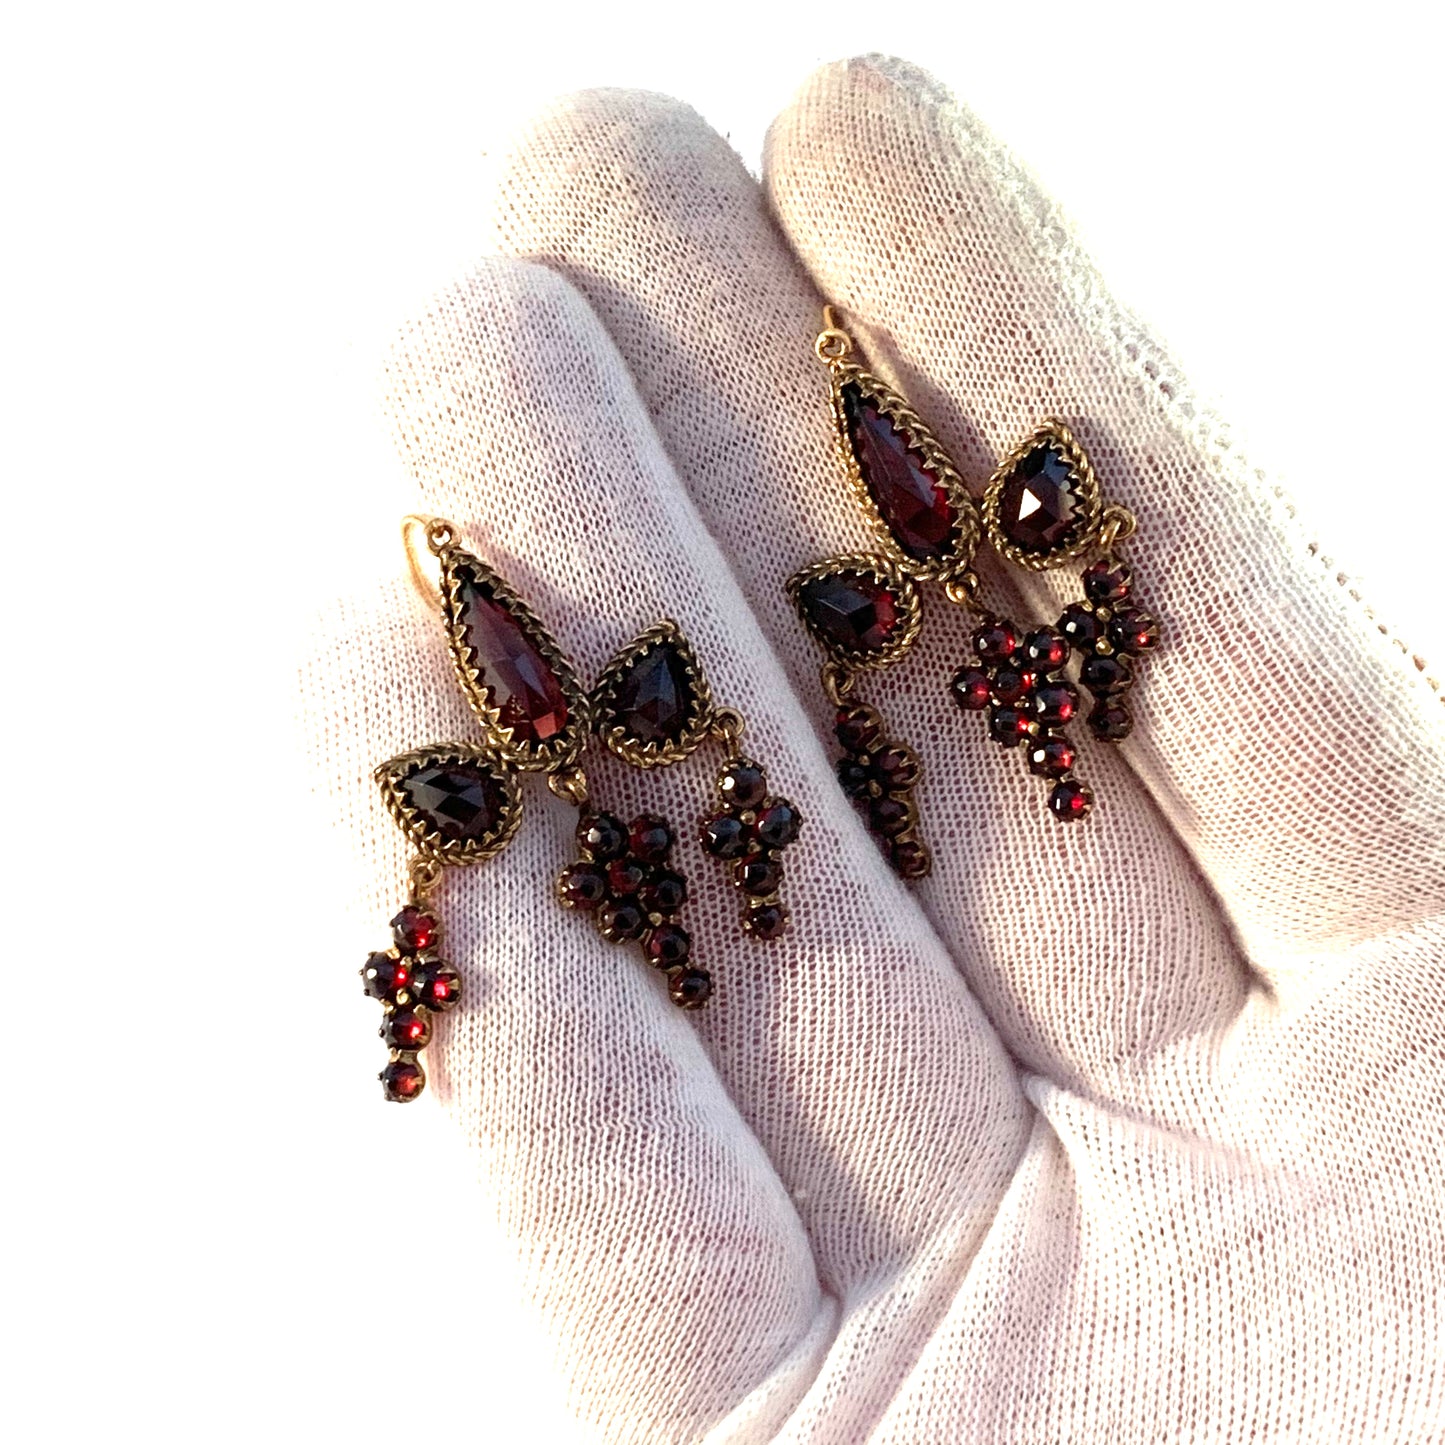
(1042, 508)
(460, 803)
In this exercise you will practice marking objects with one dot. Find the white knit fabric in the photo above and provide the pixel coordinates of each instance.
(1128, 1131)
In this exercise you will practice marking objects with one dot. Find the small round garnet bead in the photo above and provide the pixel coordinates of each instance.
(402, 1080)
(857, 727)
(1070, 800)
(667, 945)
(1046, 649)
(1051, 756)
(1008, 726)
(665, 892)
(1080, 626)
(1110, 720)
(405, 1028)
(438, 985)
(995, 641)
(896, 767)
(971, 688)
(415, 930)
(1106, 675)
(889, 816)
(582, 885)
(617, 921)
(766, 920)
(383, 976)
(759, 876)
(1055, 704)
(1011, 684)
(777, 825)
(853, 777)
(910, 859)
(725, 836)
(1106, 583)
(689, 987)
(1133, 631)
(601, 836)
(624, 876)
(742, 784)
(650, 839)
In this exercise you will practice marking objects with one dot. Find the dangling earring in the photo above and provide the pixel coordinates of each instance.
(652, 707)
(461, 803)
(865, 611)
(1044, 508)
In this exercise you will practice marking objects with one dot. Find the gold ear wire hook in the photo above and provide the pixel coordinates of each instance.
(832, 342)
(439, 534)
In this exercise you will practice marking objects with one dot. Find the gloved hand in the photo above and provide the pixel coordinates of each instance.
(1124, 1131)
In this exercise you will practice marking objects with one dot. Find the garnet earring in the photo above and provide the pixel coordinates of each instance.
(653, 707)
(1042, 508)
(461, 803)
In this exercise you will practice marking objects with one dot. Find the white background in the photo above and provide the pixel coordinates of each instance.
(216, 217)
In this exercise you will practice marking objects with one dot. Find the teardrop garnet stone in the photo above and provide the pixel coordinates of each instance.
(912, 501)
(1039, 506)
(853, 612)
(524, 689)
(463, 802)
(655, 700)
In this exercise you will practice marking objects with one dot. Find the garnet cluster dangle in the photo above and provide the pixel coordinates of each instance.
(412, 983)
(1018, 681)
(625, 880)
(750, 833)
(1110, 633)
(879, 775)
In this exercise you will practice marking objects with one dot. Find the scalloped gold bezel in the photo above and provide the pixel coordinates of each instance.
(700, 711)
(884, 570)
(1091, 496)
(427, 839)
(557, 752)
(920, 440)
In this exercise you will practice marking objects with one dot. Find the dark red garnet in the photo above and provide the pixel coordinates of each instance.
(1008, 726)
(402, 1080)
(438, 985)
(1080, 625)
(1046, 649)
(777, 825)
(404, 1028)
(759, 876)
(742, 784)
(1110, 721)
(972, 688)
(1055, 703)
(601, 836)
(462, 801)
(667, 945)
(665, 892)
(853, 612)
(522, 686)
(1039, 505)
(1107, 583)
(624, 876)
(1070, 800)
(995, 641)
(1106, 675)
(725, 836)
(382, 976)
(654, 700)
(896, 767)
(889, 816)
(1051, 756)
(767, 920)
(583, 885)
(415, 929)
(1133, 631)
(857, 726)
(1011, 684)
(911, 500)
(910, 859)
(650, 838)
(689, 987)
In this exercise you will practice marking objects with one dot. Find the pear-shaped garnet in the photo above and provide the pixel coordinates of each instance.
(461, 801)
(912, 501)
(854, 613)
(655, 699)
(522, 686)
(1039, 506)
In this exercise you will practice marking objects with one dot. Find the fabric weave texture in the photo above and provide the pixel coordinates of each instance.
(1130, 1131)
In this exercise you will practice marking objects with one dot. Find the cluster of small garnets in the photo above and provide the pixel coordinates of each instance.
(412, 983)
(1020, 682)
(879, 774)
(623, 880)
(750, 832)
(1109, 632)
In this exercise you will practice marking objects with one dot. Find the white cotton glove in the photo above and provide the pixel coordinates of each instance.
(1126, 1131)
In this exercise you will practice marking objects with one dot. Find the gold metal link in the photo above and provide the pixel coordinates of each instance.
(832, 343)
(964, 590)
(423, 874)
(569, 784)
(727, 724)
(439, 534)
(1119, 525)
(837, 682)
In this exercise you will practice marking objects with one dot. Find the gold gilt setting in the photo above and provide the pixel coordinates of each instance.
(1085, 535)
(429, 841)
(701, 720)
(878, 569)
